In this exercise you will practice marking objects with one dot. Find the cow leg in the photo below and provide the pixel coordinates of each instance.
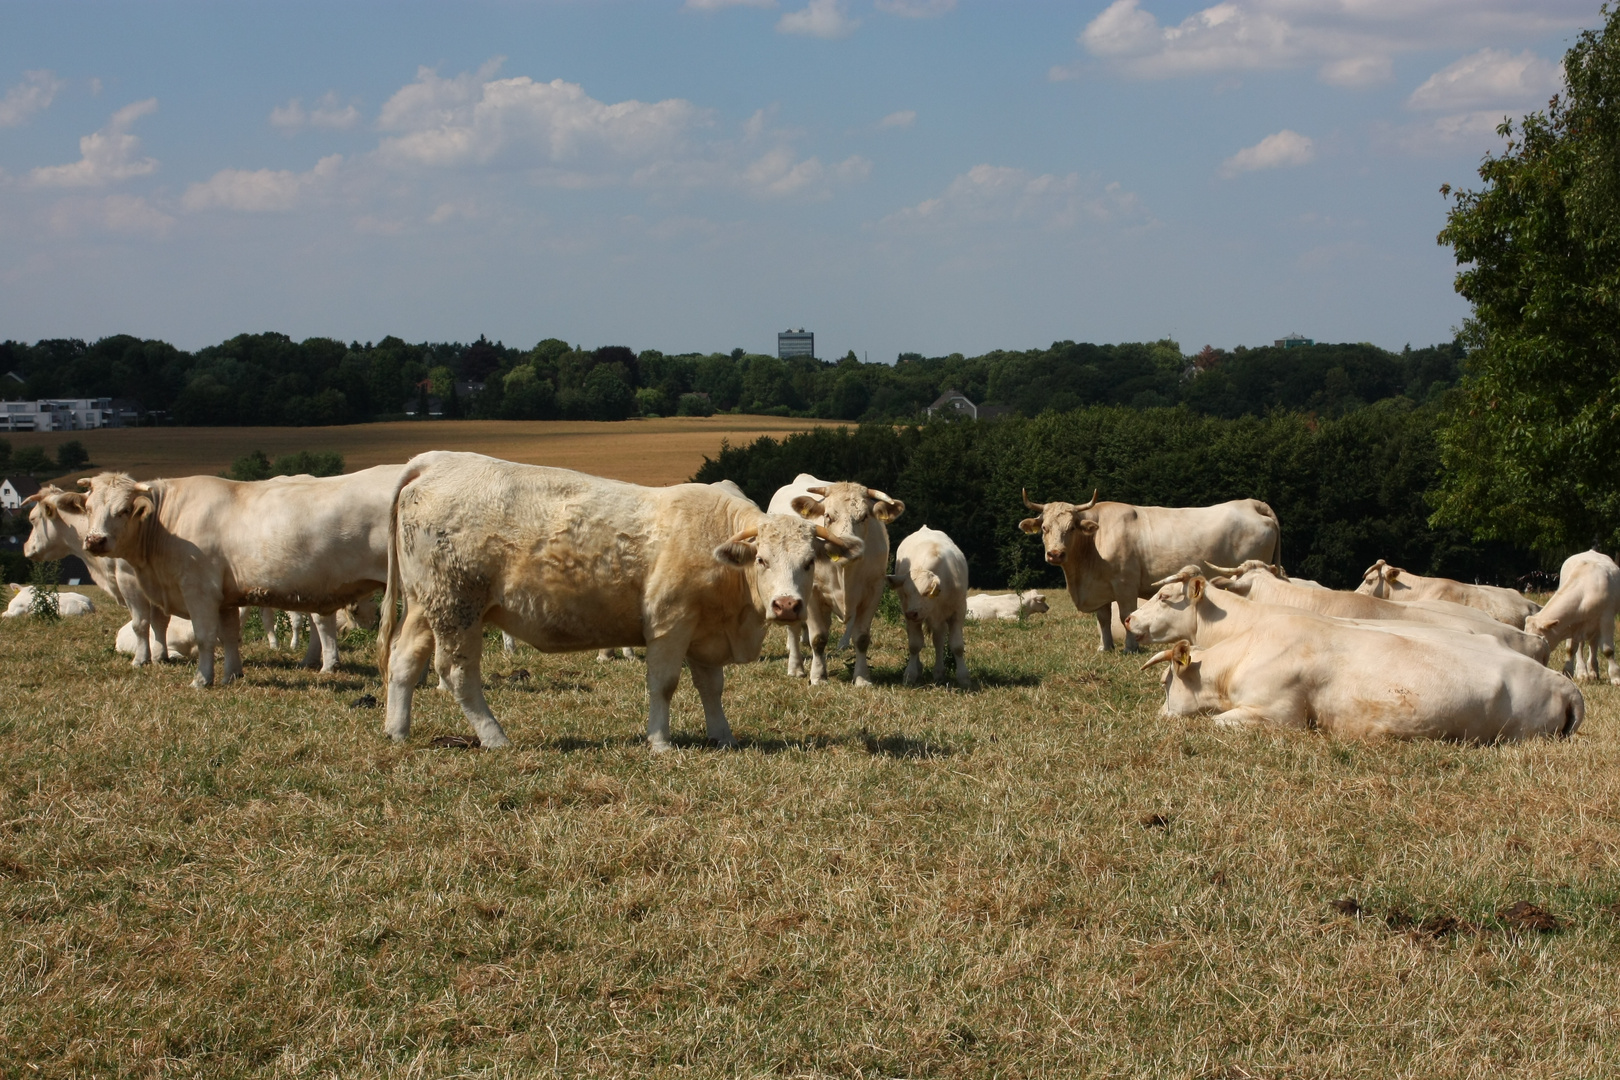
(710, 680)
(937, 632)
(862, 637)
(795, 651)
(508, 643)
(140, 618)
(267, 620)
(230, 642)
(914, 643)
(1606, 647)
(205, 624)
(1243, 716)
(409, 653)
(664, 656)
(460, 663)
(160, 636)
(959, 647)
(326, 633)
(818, 621)
(1105, 616)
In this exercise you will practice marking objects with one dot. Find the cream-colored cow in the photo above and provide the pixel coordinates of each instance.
(23, 597)
(1582, 612)
(1010, 606)
(931, 577)
(566, 562)
(1392, 583)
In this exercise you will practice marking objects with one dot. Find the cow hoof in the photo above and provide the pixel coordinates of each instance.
(727, 743)
(795, 673)
(497, 741)
(660, 746)
(201, 683)
(862, 680)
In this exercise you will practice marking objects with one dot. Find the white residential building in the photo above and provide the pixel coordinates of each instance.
(73, 414)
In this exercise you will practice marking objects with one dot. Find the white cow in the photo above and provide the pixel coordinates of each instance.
(179, 643)
(1258, 582)
(1111, 553)
(1012, 606)
(848, 588)
(1392, 583)
(68, 603)
(203, 546)
(1260, 664)
(566, 561)
(931, 577)
(57, 531)
(1582, 611)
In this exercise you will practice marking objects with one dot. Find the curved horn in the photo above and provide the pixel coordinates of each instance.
(1232, 570)
(1179, 576)
(819, 489)
(1374, 568)
(1090, 504)
(1161, 657)
(1035, 506)
(744, 536)
(823, 534)
(35, 497)
(84, 482)
(877, 496)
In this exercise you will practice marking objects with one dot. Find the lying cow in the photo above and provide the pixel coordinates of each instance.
(1259, 582)
(1011, 606)
(566, 561)
(931, 578)
(23, 598)
(203, 546)
(848, 588)
(1582, 612)
(57, 530)
(1362, 684)
(1111, 553)
(1392, 583)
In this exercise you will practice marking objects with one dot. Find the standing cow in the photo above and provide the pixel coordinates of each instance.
(1583, 611)
(849, 588)
(1392, 583)
(1112, 553)
(931, 578)
(566, 561)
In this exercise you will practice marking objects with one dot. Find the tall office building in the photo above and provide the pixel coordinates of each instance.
(790, 343)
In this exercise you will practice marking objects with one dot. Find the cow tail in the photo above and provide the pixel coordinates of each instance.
(1574, 711)
(393, 593)
(1265, 508)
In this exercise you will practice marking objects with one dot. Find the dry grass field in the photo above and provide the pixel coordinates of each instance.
(666, 451)
(1038, 877)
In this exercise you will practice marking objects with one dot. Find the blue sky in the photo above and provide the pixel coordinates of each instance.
(896, 175)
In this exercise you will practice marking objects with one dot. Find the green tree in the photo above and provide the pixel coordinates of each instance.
(254, 465)
(1531, 443)
(71, 456)
(32, 461)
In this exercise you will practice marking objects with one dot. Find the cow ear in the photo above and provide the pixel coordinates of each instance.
(1087, 526)
(927, 582)
(1195, 588)
(735, 553)
(889, 510)
(1030, 525)
(1181, 654)
(143, 507)
(895, 581)
(16, 587)
(807, 506)
(71, 501)
(1391, 573)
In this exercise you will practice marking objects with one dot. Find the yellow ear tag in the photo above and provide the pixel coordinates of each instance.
(834, 556)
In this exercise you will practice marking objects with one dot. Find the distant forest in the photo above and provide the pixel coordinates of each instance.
(269, 379)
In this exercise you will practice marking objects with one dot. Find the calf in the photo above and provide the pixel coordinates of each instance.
(1583, 612)
(23, 597)
(931, 576)
(1011, 606)
(1392, 583)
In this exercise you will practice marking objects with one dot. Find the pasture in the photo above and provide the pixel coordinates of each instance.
(653, 452)
(1038, 877)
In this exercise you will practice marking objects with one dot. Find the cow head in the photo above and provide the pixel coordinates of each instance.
(913, 589)
(779, 556)
(115, 510)
(1543, 626)
(1172, 612)
(1034, 601)
(845, 508)
(1380, 580)
(1240, 579)
(1064, 527)
(51, 537)
(1181, 679)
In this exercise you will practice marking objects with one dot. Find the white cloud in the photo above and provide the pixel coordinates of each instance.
(328, 114)
(916, 9)
(904, 118)
(996, 195)
(126, 214)
(106, 157)
(822, 18)
(34, 94)
(1285, 149)
(1490, 77)
(777, 174)
(474, 120)
(1468, 131)
(718, 5)
(258, 190)
(1351, 42)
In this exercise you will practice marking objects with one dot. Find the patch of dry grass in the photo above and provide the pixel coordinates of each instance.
(1035, 878)
(653, 452)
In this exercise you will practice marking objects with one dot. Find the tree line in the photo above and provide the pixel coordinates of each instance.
(269, 379)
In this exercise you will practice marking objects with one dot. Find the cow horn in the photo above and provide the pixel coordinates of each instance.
(1375, 567)
(35, 497)
(1037, 507)
(744, 536)
(818, 490)
(823, 534)
(1179, 576)
(1161, 657)
(84, 482)
(1090, 504)
(877, 496)
(1232, 570)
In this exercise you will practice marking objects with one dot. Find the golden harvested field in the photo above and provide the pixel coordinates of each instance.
(666, 451)
(1038, 877)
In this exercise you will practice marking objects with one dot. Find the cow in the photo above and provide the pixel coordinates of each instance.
(1013, 606)
(1356, 683)
(1583, 612)
(179, 642)
(567, 561)
(931, 578)
(57, 530)
(1392, 583)
(848, 588)
(23, 598)
(1261, 583)
(204, 546)
(1111, 553)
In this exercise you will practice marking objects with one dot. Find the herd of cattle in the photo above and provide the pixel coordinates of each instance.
(695, 574)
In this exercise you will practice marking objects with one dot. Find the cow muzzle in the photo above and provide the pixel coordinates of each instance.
(787, 609)
(96, 543)
(1055, 556)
